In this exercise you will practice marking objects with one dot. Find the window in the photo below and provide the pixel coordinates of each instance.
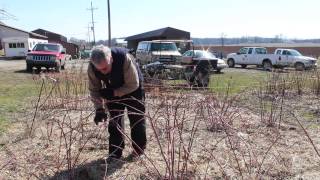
(47, 47)
(261, 51)
(142, 46)
(294, 53)
(164, 47)
(198, 54)
(278, 52)
(188, 53)
(16, 45)
(243, 51)
(250, 51)
(285, 52)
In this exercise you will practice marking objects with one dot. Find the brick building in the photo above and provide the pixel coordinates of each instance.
(71, 48)
(305, 49)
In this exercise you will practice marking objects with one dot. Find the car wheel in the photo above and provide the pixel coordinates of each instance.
(64, 66)
(38, 69)
(219, 70)
(203, 79)
(243, 65)
(29, 68)
(231, 63)
(58, 67)
(299, 66)
(267, 66)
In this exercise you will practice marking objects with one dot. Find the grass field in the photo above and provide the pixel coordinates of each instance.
(236, 81)
(15, 89)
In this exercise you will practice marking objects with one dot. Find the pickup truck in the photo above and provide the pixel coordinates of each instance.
(50, 55)
(281, 58)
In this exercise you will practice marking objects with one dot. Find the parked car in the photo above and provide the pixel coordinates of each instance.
(85, 54)
(281, 58)
(194, 56)
(198, 65)
(49, 55)
(157, 51)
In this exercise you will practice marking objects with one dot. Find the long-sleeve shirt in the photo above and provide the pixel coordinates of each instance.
(131, 82)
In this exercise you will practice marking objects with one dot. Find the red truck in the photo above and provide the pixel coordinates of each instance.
(50, 55)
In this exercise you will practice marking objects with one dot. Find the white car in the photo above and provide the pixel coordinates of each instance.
(280, 58)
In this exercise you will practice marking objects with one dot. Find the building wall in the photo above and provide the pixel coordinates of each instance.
(134, 43)
(168, 33)
(6, 32)
(307, 51)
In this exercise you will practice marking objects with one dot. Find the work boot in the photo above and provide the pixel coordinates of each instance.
(112, 159)
(134, 156)
(113, 163)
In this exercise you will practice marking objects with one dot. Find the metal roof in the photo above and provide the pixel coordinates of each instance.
(155, 33)
(30, 33)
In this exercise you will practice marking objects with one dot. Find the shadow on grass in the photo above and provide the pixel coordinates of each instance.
(35, 71)
(23, 71)
(93, 170)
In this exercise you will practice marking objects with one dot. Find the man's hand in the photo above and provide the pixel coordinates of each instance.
(100, 116)
(106, 93)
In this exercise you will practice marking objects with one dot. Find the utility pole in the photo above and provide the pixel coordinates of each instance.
(109, 24)
(223, 36)
(93, 32)
(89, 33)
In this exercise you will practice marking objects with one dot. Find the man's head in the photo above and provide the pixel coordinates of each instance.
(101, 58)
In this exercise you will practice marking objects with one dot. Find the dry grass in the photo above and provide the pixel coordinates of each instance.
(256, 134)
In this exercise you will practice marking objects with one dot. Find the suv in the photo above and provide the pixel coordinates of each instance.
(49, 55)
(157, 51)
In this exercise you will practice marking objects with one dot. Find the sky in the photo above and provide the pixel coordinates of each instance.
(293, 19)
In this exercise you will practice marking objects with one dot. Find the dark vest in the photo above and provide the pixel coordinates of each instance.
(115, 78)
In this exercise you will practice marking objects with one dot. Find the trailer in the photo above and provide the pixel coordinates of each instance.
(19, 46)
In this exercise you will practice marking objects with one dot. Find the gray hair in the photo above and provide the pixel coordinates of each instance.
(99, 54)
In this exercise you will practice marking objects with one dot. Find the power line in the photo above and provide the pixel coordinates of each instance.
(5, 15)
(92, 22)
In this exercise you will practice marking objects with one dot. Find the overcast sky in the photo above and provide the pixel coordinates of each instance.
(203, 18)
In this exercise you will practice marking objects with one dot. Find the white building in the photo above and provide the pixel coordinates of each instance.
(16, 42)
(121, 43)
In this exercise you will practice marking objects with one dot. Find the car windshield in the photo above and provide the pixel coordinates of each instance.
(295, 53)
(46, 47)
(204, 54)
(163, 47)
